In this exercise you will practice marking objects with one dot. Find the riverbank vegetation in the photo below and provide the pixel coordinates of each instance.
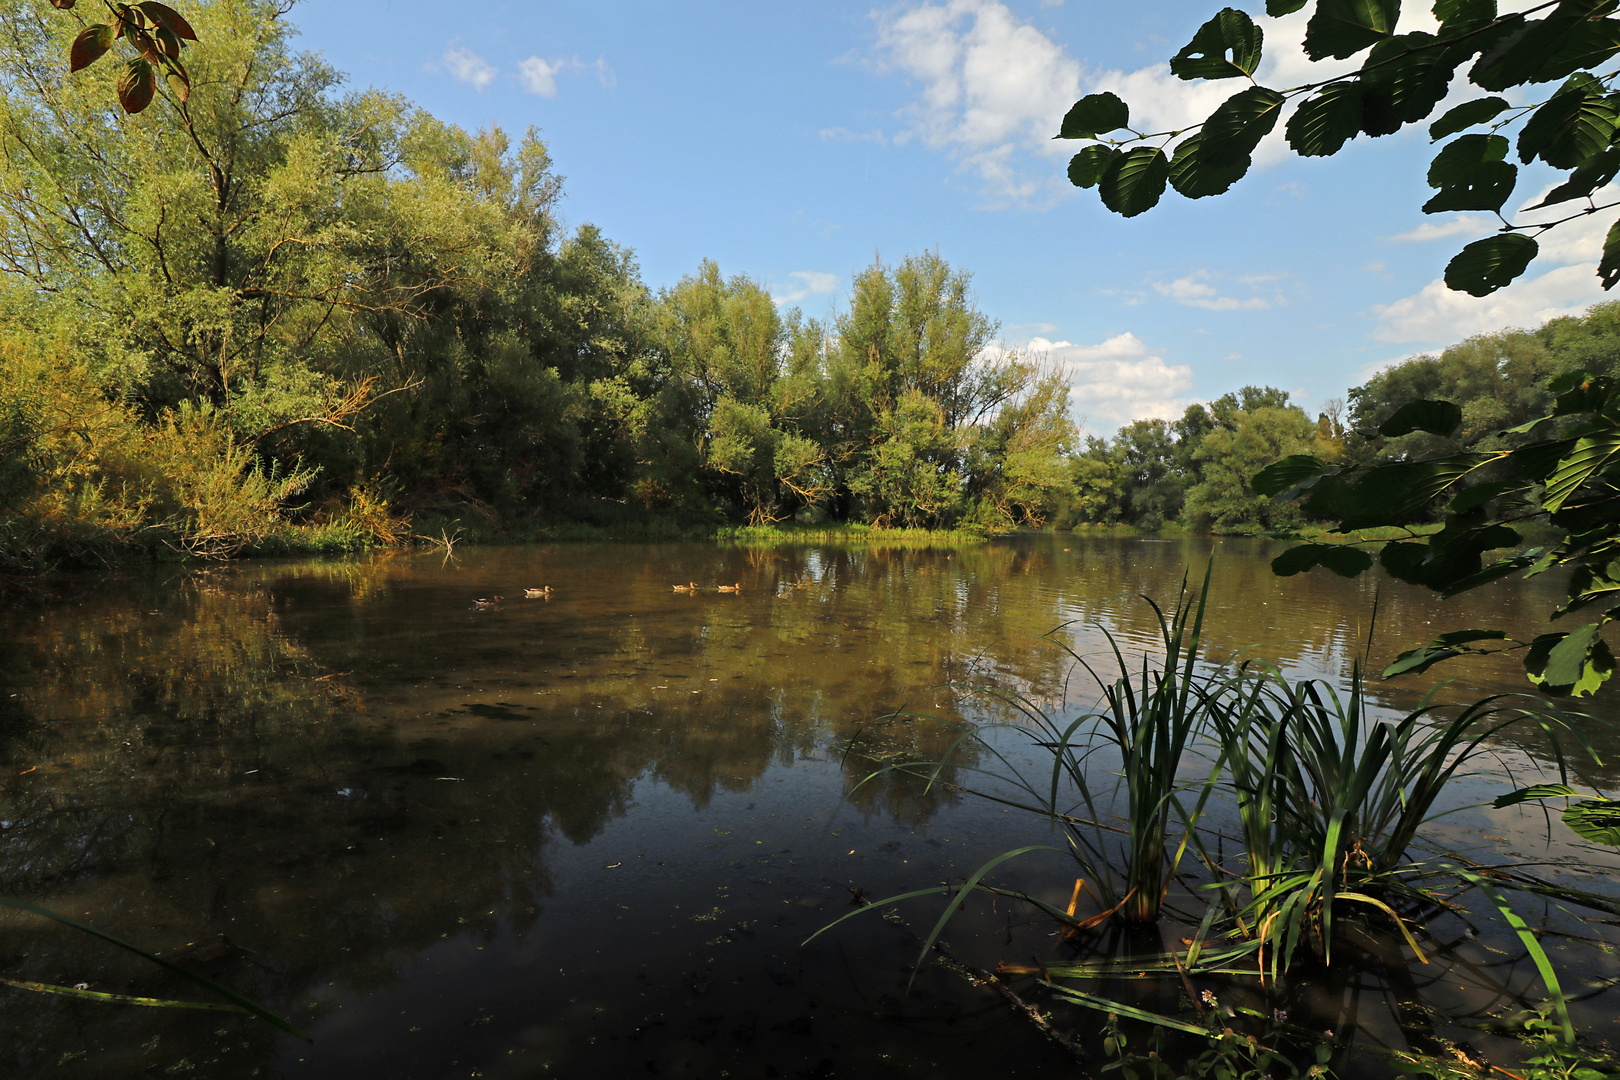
(282, 315)
(1275, 827)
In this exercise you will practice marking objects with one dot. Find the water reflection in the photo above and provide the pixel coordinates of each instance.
(340, 786)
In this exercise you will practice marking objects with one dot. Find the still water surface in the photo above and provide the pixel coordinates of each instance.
(585, 835)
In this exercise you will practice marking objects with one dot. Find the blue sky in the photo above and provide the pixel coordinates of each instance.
(795, 142)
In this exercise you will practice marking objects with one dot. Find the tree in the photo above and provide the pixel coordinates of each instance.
(1403, 77)
(915, 392)
(1224, 496)
(752, 377)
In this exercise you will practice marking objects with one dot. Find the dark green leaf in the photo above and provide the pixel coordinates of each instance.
(1588, 457)
(1087, 167)
(1441, 648)
(1596, 172)
(1590, 45)
(1609, 267)
(1578, 392)
(1466, 116)
(1597, 820)
(179, 82)
(1486, 265)
(88, 47)
(1404, 560)
(1134, 182)
(1592, 585)
(1537, 50)
(1471, 175)
(1195, 177)
(1573, 126)
(1577, 663)
(1238, 124)
(1539, 791)
(1497, 570)
(1320, 126)
(1226, 47)
(1407, 76)
(1278, 8)
(1279, 476)
(1480, 494)
(1095, 115)
(1390, 493)
(1342, 560)
(1435, 417)
(1345, 561)
(1342, 28)
(1462, 16)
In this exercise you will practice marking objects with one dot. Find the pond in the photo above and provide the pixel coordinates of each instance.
(586, 834)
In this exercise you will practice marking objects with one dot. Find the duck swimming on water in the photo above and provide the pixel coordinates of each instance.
(538, 594)
(730, 588)
(688, 587)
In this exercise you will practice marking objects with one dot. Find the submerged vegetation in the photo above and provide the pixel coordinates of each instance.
(1263, 815)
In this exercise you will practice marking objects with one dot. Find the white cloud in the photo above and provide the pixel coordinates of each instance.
(539, 75)
(468, 67)
(992, 89)
(1461, 225)
(1119, 380)
(1436, 316)
(1194, 290)
(809, 283)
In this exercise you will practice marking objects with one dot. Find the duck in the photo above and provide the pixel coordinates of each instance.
(688, 587)
(730, 588)
(487, 602)
(538, 594)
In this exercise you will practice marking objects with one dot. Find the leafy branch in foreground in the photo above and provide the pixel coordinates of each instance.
(156, 31)
(1563, 468)
(1402, 79)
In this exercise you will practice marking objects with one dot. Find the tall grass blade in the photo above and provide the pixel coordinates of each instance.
(229, 995)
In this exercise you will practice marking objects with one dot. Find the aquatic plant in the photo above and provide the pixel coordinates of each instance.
(233, 1002)
(1330, 800)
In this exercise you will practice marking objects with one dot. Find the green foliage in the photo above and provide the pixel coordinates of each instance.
(1331, 800)
(1561, 467)
(358, 313)
(1568, 123)
(155, 31)
(1197, 468)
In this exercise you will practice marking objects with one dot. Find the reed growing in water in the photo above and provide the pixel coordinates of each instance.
(1331, 804)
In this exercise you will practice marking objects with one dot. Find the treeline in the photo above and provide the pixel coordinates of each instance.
(1195, 470)
(283, 315)
(281, 312)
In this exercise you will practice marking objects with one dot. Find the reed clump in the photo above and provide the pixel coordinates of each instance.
(1331, 804)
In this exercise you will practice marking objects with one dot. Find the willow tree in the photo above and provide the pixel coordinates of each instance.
(748, 377)
(912, 382)
(263, 243)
